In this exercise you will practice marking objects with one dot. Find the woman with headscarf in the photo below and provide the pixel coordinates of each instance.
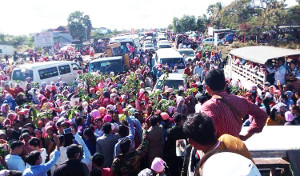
(181, 107)
(4, 109)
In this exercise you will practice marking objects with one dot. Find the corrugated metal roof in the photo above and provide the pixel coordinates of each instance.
(261, 54)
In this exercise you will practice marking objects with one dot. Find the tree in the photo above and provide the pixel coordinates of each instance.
(184, 24)
(79, 25)
(213, 11)
(293, 15)
(201, 26)
(176, 25)
(188, 23)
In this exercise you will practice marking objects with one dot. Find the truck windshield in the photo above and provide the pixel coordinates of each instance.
(187, 53)
(115, 66)
(173, 62)
(123, 49)
(21, 75)
(170, 83)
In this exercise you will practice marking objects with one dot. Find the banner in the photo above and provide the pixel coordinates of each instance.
(43, 40)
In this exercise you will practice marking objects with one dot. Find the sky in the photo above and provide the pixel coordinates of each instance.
(18, 17)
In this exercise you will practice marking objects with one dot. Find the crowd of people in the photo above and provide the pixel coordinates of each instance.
(105, 125)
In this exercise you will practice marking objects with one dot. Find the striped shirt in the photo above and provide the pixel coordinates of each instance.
(228, 122)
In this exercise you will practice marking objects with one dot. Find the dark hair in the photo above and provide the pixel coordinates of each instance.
(123, 131)
(72, 150)
(106, 127)
(16, 121)
(296, 108)
(125, 145)
(96, 172)
(29, 125)
(200, 128)
(90, 134)
(203, 98)
(284, 96)
(98, 159)
(273, 113)
(25, 130)
(215, 80)
(266, 102)
(32, 157)
(154, 120)
(36, 142)
(14, 144)
(178, 117)
(78, 120)
(61, 139)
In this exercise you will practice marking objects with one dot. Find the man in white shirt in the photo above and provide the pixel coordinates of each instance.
(198, 69)
(13, 160)
(35, 144)
(280, 72)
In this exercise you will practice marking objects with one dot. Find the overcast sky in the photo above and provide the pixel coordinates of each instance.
(30, 16)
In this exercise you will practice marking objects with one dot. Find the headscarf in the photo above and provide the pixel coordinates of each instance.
(179, 99)
(289, 116)
(95, 113)
(3, 107)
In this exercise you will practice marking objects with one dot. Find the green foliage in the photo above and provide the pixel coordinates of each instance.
(131, 86)
(33, 113)
(79, 25)
(16, 41)
(213, 11)
(241, 13)
(164, 104)
(186, 23)
(202, 23)
(190, 91)
(293, 15)
(95, 34)
(71, 114)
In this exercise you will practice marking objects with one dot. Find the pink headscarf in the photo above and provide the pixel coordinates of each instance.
(3, 107)
(107, 118)
(289, 116)
(179, 99)
(158, 165)
(95, 113)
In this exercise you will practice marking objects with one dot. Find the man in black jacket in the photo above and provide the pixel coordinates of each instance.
(73, 166)
(173, 134)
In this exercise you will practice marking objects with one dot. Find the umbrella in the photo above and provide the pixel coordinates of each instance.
(67, 48)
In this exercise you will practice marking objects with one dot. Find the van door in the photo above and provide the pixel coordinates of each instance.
(65, 73)
(76, 69)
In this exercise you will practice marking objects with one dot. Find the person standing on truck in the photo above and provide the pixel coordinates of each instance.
(280, 72)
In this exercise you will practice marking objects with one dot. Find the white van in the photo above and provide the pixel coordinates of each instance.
(172, 80)
(170, 57)
(45, 72)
